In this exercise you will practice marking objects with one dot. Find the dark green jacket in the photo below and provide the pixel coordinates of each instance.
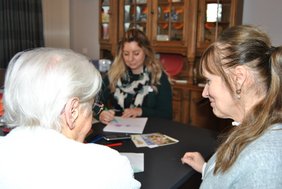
(155, 104)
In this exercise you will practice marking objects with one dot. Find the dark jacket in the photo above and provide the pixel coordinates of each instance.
(155, 104)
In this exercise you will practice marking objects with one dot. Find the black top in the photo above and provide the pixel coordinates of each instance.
(155, 104)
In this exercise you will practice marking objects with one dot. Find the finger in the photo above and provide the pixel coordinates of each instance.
(185, 160)
(111, 112)
(182, 160)
(125, 115)
(187, 155)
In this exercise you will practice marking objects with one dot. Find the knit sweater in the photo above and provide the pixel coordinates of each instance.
(259, 165)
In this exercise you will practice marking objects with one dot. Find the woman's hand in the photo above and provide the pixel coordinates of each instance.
(132, 112)
(106, 116)
(194, 159)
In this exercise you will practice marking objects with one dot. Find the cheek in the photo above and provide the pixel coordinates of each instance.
(125, 58)
(142, 58)
(218, 91)
(224, 101)
(210, 91)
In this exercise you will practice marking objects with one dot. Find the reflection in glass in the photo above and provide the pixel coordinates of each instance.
(126, 26)
(135, 14)
(170, 20)
(126, 13)
(105, 30)
(214, 12)
(105, 14)
(106, 2)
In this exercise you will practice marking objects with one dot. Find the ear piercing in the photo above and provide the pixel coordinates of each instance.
(238, 92)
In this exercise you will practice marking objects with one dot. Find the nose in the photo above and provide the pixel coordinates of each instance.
(130, 57)
(205, 92)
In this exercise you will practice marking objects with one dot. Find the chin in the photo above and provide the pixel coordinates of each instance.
(217, 114)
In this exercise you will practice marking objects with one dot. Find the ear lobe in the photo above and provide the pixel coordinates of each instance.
(72, 111)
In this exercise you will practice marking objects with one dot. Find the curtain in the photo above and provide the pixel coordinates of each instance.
(21, 27)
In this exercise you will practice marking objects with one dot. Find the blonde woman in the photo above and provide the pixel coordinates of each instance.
(136, 84)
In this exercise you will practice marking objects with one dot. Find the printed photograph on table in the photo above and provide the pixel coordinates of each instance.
(152, 140)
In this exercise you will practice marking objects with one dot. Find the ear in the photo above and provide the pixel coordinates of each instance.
(72, 112)
(240, 74)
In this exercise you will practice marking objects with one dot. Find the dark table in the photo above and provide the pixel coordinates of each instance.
(162, 165)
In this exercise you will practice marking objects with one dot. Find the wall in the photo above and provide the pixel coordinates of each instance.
(56, 18)
(84, 27)
(72, 24)
(267, 15)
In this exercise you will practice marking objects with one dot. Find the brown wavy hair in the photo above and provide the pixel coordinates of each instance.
(118, 69)
(249, 46)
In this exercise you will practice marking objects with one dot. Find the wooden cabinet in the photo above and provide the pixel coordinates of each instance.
(182, 27)
(169, 24)
(213, 17)
(108, 27)
(135, 13)
(180, 105)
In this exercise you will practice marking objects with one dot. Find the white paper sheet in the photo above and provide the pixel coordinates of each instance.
(126, 125)
(136, 161)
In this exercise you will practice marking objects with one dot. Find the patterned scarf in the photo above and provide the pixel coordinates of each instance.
(138, 88)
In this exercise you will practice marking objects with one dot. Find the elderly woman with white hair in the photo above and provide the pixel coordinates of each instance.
(48, 99)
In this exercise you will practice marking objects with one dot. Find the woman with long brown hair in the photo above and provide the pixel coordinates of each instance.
(244, 83)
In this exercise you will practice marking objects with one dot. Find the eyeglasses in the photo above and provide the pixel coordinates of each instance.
(97, 108)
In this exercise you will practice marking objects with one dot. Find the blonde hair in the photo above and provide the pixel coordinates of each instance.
(118, 69)
(247, 45)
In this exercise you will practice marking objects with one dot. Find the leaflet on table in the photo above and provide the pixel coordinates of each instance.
(152, 140)
(126, 125)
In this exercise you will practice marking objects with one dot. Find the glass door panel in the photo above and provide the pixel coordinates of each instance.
(135, 14)
(105, 19)
(170, 20)
(216, 19)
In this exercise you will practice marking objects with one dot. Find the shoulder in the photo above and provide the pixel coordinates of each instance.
(100, 149)
(268, 144)
(109, 156)
(164, 75)
(109, 162)
(258, 165)
(264, 154)
(271, 140)
(164, 79)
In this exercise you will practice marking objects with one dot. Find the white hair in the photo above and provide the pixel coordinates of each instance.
(39, 83)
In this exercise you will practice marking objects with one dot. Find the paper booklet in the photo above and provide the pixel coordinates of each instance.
(126, 125)
(152, 140)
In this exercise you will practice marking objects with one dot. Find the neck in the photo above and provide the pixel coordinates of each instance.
(71, 134)
(138, 71)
